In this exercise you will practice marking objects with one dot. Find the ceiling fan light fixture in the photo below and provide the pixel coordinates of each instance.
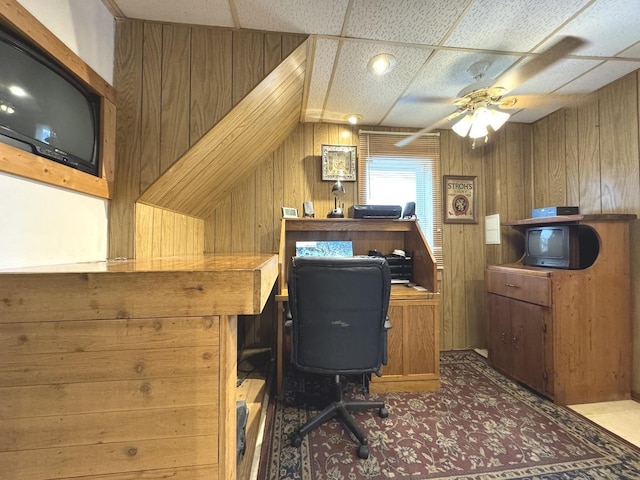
(382, 64)
(478, 129)
(498, 119)
(462, 127)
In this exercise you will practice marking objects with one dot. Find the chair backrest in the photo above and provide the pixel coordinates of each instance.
(338, 308)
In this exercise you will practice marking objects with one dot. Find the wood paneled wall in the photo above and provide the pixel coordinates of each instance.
(174, 83)
(163, 233)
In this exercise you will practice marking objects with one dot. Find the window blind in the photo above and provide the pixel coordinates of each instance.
(391, 175)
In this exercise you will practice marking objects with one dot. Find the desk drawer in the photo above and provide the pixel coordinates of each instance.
(528, 288)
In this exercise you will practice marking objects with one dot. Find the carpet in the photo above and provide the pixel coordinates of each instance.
(479, 425)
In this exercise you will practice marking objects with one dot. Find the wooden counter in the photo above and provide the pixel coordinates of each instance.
(124, 369)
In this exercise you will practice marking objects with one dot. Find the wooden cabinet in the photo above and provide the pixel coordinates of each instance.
(517, 332)
(414, 354)
(566, 333)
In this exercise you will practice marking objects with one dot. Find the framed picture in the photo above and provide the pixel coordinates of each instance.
(459, 200)
(288, 212)
(339, 162)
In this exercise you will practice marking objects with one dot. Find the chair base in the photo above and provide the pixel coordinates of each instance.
(342, 410)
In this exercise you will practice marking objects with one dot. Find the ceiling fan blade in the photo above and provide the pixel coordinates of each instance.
(455, 114)
(427, 99)
(410, 138)
(537, 101)
(521, 73)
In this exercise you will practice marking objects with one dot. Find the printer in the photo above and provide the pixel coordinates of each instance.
(375, 211)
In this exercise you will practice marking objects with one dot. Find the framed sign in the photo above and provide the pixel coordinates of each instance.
(459, 194)
(288, 212)
(339, 162)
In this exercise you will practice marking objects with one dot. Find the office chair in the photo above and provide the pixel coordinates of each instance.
(339, 327)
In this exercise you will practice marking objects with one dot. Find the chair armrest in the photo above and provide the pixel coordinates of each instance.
(385, 357)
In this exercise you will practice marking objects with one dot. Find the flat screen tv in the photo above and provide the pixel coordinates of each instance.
(43, 109)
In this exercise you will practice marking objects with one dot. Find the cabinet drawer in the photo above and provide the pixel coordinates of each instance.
(528, 288)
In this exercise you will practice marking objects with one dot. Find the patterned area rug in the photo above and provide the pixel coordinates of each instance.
(479, 425)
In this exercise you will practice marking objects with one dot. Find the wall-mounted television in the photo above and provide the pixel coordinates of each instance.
(43, 109)
(560, 246)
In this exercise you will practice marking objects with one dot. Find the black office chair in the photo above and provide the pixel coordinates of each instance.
(339, 327)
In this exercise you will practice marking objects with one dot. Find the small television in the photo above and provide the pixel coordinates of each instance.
(560, 246)
(45, 110)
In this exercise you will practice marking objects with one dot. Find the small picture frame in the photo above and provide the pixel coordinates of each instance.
(289, 212)
(459, 199)
(339, 162)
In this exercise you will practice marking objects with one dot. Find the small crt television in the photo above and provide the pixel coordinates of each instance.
(556, 246)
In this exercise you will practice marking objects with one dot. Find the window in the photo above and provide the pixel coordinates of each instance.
(390, 175)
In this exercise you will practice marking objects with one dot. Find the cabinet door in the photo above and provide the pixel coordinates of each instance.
(499, 332)
(527, 337)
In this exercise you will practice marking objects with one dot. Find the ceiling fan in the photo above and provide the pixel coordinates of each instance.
(481, 102)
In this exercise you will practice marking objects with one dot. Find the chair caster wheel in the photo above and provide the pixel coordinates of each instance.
(363, 451)
(383, 413)
(296, 440)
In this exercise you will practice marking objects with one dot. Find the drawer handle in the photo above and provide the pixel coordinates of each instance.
(511, 285)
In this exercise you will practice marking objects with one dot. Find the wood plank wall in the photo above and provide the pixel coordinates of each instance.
(585, 155)
(178, 234)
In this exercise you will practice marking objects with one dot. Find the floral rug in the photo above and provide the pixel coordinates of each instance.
(479, 425)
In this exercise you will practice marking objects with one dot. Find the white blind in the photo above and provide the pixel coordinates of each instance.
(390, 175)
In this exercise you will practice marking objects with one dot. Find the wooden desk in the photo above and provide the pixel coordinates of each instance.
(414, 355)
(119, 369)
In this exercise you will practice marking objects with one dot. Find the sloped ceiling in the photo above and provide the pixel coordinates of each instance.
(206, 173)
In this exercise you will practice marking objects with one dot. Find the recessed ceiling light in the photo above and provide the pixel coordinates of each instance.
(354, 118)
(382, 64)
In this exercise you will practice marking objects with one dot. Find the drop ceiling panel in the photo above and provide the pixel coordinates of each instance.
(406, 21)
(356, 90)
(631, 52)
(412, 115)
(294, 16)
(614, 23)
(600, 76)
(515, 25)
(197, 12)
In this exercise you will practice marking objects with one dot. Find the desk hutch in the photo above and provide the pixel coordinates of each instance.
(566, 333)
(413, 350)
